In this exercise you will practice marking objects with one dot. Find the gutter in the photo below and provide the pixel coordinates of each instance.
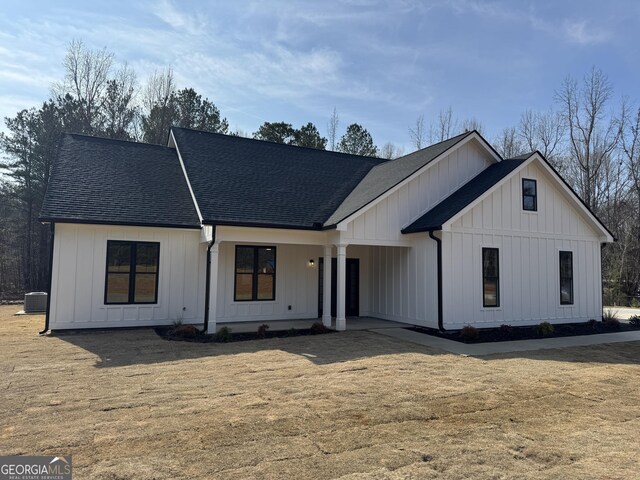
(46, 317)
(208, 280)
(439, 260)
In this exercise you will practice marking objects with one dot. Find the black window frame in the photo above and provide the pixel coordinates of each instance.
(497, 278)
(534, 196)
(132, 272)
(569, 278)
(255, 274)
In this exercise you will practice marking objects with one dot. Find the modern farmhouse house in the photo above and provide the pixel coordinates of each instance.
(215, 228)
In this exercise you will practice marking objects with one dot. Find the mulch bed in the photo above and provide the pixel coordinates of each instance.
(186, 334)
(528, 333)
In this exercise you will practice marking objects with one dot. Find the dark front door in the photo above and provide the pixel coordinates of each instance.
(352, 304)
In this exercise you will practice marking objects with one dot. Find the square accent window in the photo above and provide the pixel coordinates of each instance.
(132, 272)
(490, 278)
(529, 195)
(566, 278)
(255, 273)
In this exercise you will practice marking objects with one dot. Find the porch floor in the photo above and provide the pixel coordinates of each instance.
(353, 323)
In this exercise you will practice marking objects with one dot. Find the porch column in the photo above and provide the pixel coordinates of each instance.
(213, 287)
(341, 321)
(326, 287)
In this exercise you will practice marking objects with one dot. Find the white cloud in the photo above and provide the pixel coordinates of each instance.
(166, 11)
(582, 33)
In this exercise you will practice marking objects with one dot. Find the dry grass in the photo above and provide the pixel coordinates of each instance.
(357, 405)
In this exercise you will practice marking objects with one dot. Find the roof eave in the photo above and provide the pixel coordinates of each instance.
(228, 223)
(83, 221)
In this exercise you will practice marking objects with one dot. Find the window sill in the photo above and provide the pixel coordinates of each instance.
(253, 302)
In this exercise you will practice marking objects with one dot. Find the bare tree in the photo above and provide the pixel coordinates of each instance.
(158, 90)
(417, 133)
(158, 105)
(593, 135)
(508, 143)
(332, 129)
(390, 151)
(86, 75)
(444, 128)
(119, 109)
(543, 132)
(470, 124)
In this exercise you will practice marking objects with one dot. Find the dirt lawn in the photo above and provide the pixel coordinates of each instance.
(355, 405)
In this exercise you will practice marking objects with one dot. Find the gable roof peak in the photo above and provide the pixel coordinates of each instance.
(280, 145)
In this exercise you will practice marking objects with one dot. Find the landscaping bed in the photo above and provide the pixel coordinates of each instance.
(507, 333)
(189, 333)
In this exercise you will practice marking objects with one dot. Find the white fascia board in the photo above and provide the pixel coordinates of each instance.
(172, 141)
(342, 225)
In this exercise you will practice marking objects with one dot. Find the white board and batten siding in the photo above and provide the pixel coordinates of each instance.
(383, 221)
(529, 244)
(404, 283)
(78, 290)
(403, 267)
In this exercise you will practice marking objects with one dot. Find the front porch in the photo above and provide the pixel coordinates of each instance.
(309, 276)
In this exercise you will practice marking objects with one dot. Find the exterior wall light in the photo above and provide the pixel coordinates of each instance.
(312, 263)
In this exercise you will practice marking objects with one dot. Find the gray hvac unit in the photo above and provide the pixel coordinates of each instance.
(35, 302)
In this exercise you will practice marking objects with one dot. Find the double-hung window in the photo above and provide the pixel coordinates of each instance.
(566, 278)
(529, 195)
(255, 273)
(490, 278)
(132, 272)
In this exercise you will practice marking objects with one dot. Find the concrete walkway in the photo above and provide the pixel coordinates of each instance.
(480, 349)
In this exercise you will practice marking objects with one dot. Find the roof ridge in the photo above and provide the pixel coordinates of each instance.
(285, 145)
(113, 140)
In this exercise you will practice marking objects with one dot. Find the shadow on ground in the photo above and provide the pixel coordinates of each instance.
(144, 346)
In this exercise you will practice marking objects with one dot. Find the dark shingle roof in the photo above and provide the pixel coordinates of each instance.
(242, 181)
(465, 195)
(387, 175)
(103, 181)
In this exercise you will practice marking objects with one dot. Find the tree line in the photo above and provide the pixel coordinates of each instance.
(594, 143)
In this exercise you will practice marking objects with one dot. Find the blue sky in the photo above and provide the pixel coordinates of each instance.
(379, 63)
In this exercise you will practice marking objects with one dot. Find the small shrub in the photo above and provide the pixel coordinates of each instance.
(292, 332)
(545, 329)
(262, 330)
(185, 331)
(505, 331)
(223, 335)
(610, 314)
(634, 303)
(635, 320)
(593, 324)
(318, 328)
(469, 333)
(612, 323)
(176, 323)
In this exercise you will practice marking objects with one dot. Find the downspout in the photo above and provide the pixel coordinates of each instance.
(46, 316)
(602, 245)
(208, 280)
(439, 262)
